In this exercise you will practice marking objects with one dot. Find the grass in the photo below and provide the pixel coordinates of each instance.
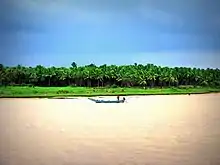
(48, 92)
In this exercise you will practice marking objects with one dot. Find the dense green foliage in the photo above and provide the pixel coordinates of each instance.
(125, 76)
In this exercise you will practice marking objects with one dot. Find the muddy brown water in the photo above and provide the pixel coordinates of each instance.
(149, 130)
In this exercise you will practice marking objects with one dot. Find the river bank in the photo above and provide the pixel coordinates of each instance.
(66, 92)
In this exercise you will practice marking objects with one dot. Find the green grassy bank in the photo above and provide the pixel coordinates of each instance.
(48, 92)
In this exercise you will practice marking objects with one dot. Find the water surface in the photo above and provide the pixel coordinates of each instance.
(151, 130)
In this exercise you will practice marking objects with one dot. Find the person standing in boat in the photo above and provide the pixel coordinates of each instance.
(118, 97)
(123, 99)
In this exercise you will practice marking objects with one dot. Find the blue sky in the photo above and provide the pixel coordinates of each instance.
(58, 32)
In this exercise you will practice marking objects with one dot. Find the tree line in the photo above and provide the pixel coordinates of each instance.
(136, 75)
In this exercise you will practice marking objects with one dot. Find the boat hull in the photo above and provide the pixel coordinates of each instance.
(107, 101)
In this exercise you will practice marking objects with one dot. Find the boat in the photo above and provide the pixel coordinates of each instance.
(107, 101)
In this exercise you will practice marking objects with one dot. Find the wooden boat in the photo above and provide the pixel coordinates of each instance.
(107, 101)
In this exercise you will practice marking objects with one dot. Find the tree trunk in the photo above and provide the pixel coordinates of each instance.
(98, 83)
(89, 82)
(49, 81)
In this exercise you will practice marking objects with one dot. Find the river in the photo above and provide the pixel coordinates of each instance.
(147, 130)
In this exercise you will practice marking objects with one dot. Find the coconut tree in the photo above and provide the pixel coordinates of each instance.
(124, 75)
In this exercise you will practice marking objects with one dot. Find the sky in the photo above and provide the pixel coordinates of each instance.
(58, 32)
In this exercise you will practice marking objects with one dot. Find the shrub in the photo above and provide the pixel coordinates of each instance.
(186, 86)
(62, 92)
(114, 86)
(73, 85)
(35, 92)
(29, 85)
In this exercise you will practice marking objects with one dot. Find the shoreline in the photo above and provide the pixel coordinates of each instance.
(104, 95)
(76, 92)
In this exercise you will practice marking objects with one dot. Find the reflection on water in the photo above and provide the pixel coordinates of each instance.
(153, 130)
